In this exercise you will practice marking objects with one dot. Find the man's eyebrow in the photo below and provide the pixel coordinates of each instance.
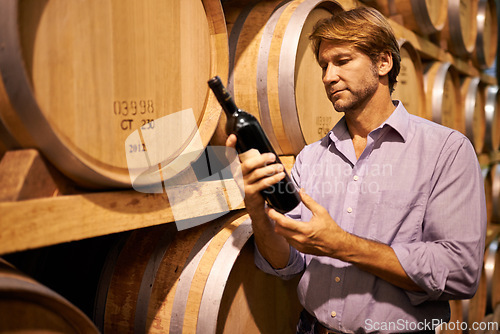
(343, 54)
(336, 56)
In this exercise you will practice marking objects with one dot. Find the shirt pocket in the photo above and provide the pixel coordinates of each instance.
(398, 216)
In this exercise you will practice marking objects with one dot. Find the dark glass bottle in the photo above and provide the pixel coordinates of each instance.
(283, 195)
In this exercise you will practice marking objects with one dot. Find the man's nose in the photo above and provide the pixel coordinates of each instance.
(330, 74)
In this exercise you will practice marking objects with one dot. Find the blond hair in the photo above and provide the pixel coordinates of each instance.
(365, 29)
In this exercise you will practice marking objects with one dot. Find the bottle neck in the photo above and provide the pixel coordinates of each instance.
(229, 106)
(223, 96)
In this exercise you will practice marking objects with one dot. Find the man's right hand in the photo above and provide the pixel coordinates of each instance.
(259, 172)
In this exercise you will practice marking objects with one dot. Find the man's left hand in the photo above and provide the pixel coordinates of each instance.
(319, 236)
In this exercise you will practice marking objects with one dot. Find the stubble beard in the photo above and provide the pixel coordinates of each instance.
(355, 100)
(358, 98)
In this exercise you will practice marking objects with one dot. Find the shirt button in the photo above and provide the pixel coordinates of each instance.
(337, 279)
(333, 314)
(349, 209)
(355, 178)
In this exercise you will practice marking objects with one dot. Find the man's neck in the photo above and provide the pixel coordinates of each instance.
(363, 121)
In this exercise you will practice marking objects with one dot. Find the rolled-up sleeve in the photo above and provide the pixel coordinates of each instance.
(296, 264)
(447, 262)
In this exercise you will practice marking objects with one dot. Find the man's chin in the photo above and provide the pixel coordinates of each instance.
(341, 107)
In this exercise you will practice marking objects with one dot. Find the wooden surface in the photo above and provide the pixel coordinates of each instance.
(201, 280)
(430, 50)
(255, 302)
(269, 49)
(410, 86)
(492, 273)
(291, 61)
(39, 209)
(474, 100)
(82, 77)
(271, 82)
(24, 175)
(456, 309)
(486, 48)
(488, 191)
(475, 308)
(492, 110)
(41, 222)
(460, 31)
(31, 223)
(314, 110)
(176, 271)
(442, 90)
(430, 17)
(27, 306)
(247, 29)
(245, 39)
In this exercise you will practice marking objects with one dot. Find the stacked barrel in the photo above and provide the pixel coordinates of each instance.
(459, 93)
(113, 95)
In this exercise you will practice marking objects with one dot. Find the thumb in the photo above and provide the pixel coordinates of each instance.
(231, 141)
(309, 202)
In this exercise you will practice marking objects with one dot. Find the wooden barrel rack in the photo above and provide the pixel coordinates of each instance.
(77, 81)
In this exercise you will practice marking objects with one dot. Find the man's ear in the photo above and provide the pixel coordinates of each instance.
(384, 63)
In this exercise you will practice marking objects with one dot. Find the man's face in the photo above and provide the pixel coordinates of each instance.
(349, 76)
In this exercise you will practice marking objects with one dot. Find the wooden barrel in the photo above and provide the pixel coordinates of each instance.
(488, 191)
(410, 86)
(494, 180)
(245, 25)
(3, 150)
(423, 17)
(7, 140)
(486, 299)
(492, 272)
(26, 306)
(274, 74)
(460, 32)
(492, 110)
(81, 77)
(474, 309)
(474, 100)
(456, 316)
(489, 325)
(442, 91)
(496, 318)
(485, 50)
(199, 280)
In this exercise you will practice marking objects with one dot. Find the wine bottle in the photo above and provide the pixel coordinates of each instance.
(282, 196)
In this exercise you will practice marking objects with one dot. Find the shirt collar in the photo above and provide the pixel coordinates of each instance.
(398, 121)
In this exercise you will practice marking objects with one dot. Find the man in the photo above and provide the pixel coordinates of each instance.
(392, 220)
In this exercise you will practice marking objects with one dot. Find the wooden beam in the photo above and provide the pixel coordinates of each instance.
(24, 175)
(48, 221)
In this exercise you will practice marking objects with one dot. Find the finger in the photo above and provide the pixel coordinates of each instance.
(310, 203)
(231, 141)
(284, 225)
(263, 172)
(255, 161)
(232, 157)
(264, 183)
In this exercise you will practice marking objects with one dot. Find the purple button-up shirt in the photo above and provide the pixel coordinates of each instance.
(418, 188)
